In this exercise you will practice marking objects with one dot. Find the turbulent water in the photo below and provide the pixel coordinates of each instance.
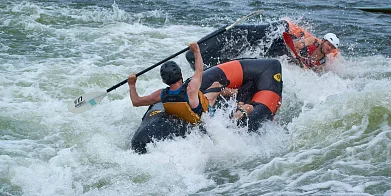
(331, 136)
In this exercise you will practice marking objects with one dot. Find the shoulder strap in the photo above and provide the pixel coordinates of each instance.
(163, 92)
(184, 85)
(316, 42)
(186, 82)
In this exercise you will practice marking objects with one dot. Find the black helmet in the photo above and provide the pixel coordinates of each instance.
(170, 72)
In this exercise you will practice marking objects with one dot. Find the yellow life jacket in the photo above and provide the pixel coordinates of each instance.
(176, 103)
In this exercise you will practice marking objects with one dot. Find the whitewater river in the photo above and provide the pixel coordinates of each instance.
(331, 136)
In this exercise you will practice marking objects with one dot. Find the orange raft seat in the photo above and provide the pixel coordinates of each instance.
(244, 41)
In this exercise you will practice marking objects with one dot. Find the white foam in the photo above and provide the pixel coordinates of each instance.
(46, 150)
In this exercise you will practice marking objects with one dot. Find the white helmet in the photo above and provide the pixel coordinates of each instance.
(332, 38)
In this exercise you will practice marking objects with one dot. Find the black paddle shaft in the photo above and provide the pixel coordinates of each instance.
(168, 58)
(217, 32)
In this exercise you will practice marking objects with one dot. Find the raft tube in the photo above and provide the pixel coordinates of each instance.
(157, 125)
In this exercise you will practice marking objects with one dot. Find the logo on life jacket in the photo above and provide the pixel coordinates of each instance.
(155, 112)
(277, 77)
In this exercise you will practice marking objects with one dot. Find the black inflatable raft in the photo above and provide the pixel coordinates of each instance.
(157, 125)
(260, 84)
(264, 40)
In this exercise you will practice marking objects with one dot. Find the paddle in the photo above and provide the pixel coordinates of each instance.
(89, 100)
(289, 42)
(386, 10)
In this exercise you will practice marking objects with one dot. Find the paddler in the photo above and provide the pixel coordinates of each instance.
(257, 83)
(313, 51)
(182, 98)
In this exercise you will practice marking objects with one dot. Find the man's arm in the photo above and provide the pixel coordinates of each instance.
(141, 101)
(243, 110)
(300, 44)
(195, 83)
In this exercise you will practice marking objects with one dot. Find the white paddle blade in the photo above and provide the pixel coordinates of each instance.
(86, 102)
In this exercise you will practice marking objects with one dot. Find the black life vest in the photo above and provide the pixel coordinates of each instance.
(177, 103)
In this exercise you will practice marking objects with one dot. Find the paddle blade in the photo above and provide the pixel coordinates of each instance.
(289, 42)
(86, 102)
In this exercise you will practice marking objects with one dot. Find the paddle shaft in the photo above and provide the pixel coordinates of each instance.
(386, 10)
(185, 49)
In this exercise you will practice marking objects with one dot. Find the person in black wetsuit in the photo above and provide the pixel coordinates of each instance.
(259, 84)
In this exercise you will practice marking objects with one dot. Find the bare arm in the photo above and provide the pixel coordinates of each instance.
(299, 44)
(303, 43)
(141, 101)
(244, 110)
(195, 83)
